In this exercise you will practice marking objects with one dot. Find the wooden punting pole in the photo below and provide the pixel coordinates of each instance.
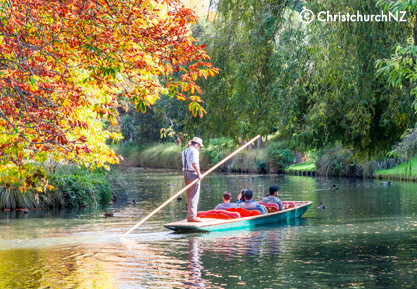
(189, 185)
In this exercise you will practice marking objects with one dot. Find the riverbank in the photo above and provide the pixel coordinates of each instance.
(272, 158)
(69, 187)
(302, 169)
(403, 172)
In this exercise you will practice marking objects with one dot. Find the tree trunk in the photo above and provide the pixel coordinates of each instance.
(298, 157)
(259, 144)
(415, 31)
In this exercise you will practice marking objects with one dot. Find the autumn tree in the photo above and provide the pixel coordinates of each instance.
(64, 63)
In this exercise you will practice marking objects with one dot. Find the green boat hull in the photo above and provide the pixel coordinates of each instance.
(284, 217)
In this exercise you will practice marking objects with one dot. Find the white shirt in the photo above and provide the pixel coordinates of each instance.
(192, 156)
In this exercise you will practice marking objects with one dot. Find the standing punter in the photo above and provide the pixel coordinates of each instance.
(191, 168)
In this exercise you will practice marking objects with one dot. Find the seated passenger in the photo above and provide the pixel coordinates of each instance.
(273, 197)
(227, 196)
(241, 196)
(250, 204)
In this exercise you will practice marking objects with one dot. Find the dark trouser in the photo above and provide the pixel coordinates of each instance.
(193, 193)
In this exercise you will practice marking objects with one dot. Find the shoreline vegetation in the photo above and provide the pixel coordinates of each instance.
(274, 157)
(70, 186)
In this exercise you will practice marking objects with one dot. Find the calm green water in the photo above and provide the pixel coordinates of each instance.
(365, 238)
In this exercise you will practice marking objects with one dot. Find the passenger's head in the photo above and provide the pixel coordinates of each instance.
(227, 196)
(248, 195)
(273, 190)
(242, 195)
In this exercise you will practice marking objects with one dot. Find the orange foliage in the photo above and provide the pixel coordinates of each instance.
(123, 47)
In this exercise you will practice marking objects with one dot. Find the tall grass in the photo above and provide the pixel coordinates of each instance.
(13, 199)
(245, 161)
(73, 187)
(338, 161)
(167, 155)
(369, 167)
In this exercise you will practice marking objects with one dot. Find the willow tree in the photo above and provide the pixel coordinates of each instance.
(315, 83)
(336, 96)
(242, 42)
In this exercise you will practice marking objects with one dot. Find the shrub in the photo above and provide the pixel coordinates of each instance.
(279, 156)
(82, 187)
(337, 161)
(262, 166)
(218, 148)
(73, 187)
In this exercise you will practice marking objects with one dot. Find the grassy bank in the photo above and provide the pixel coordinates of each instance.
(270, 159)
(400, 172)
(73, 187)
(302, 167)
(274, 157)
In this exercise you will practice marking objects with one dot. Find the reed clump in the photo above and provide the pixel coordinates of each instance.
(72, 187)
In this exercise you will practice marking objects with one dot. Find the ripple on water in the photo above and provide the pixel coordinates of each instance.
(365, 238)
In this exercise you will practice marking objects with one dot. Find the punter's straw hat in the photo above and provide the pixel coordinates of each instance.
(197, 140)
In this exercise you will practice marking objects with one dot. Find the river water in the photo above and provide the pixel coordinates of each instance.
(365, 238)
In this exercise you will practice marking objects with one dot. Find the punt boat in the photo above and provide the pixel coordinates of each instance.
(208, 224)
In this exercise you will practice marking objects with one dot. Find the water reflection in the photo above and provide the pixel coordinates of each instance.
(195, 266)
(365, 238)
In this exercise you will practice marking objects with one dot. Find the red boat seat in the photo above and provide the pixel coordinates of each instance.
(270, 207)
(244, 213)
(218, 214)
(288, 205)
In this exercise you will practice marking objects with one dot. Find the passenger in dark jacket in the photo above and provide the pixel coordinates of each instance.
(273, 197)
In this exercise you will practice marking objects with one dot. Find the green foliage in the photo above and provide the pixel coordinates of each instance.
(127, 128)
(398, 5)
(141, 127)
(315, 83)
(400, 70)
(218, 149)
(369, 167)
(73, 187)
(262, 166)
(307, 167)
(245, 161)
(81, 187)
(399, 172)
(337, 161)
(241, 42)
(13, 199)
(339, 98)
(279, 156)
(130, 152)
(407, 148)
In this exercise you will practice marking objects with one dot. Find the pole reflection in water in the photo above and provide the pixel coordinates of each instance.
(228, 259)
(195, 265)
